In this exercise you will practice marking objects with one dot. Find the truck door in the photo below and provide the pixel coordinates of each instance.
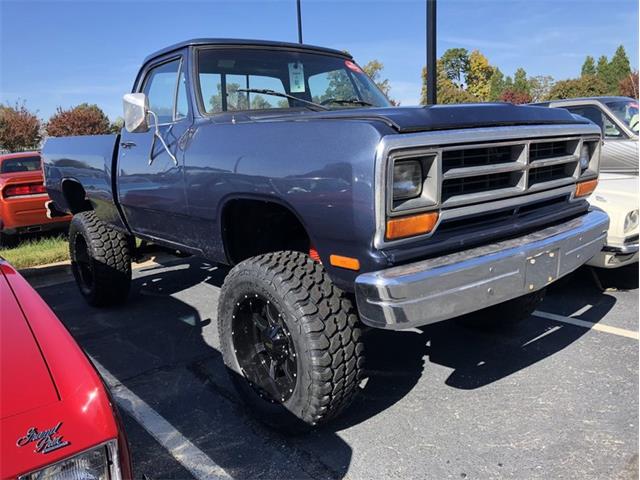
(151, 182)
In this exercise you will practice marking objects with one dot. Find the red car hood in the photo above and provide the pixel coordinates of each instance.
(52, 402)
(25, 381)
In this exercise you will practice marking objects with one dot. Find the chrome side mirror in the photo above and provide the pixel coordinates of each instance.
(136, 108)
(136, 120)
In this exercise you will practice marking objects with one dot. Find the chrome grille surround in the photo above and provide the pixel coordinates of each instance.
(523, 177)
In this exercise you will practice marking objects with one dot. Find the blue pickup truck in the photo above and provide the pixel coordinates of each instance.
(333, 208)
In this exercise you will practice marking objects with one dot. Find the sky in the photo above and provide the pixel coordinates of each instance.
(62, 53)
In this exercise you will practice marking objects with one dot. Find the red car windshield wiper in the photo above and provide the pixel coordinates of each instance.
(266, 91)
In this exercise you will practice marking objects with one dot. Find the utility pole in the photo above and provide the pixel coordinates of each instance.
(432, 75)
(299, 22)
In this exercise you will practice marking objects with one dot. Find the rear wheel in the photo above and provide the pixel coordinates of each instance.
(100, 260)
(290, 340)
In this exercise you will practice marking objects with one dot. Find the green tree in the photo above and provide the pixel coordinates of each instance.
(258, 102)
(496, 85)
(374, 70)
(587, 86)
(602, 68)
(117, 125)
(618, 69)
(520, 82)
(455, 64)
(19, 128)
(479, 75)
(540, 86)
(508, 83)
(588, 67)
(448, 91)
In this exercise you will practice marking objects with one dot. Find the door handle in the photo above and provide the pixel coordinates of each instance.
(127, 144)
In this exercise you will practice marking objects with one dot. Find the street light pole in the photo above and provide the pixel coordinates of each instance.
(432, 94)
(299, 22)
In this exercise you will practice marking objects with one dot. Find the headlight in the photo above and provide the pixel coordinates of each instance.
(407, 179)
(585, 157)
(100, 463)
(631, 221)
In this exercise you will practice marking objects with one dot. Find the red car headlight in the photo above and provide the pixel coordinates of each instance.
(99, 463)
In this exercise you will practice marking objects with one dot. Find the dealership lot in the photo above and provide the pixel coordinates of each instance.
(547, 399)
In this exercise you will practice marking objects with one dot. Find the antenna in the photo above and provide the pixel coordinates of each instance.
(432, 94)
(299, 22)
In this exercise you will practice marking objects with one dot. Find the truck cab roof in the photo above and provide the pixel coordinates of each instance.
(244, 43)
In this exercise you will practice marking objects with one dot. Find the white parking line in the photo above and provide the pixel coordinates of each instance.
(180, 448)
(590, 325)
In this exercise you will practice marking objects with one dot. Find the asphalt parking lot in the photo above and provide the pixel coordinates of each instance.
(546, 399)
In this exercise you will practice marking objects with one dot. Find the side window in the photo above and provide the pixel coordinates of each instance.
(335, 84)
(160, 88)
(182, 103)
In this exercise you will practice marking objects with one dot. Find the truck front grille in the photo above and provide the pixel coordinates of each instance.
(479, 173)
(478, 184)
(544, 150)
(475, 157)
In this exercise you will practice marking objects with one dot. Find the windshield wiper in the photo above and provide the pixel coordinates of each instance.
(347, 101)
(266, 91)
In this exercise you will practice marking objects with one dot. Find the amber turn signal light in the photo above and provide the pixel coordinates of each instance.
(344, 262)
(410, 226)
(586, 188)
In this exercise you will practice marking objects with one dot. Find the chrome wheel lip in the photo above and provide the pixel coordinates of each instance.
(264, 348)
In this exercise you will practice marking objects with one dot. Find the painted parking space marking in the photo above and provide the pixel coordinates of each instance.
(622, 332)
(186, 453)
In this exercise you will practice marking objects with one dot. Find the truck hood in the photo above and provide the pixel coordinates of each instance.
(441, 117)
(25, 382)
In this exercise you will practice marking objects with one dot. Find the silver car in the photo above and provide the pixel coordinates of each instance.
(618, 118)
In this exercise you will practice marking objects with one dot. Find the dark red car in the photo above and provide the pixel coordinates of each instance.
(57, 419)
(23, 197)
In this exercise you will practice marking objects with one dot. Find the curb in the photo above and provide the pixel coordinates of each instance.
(60, 272)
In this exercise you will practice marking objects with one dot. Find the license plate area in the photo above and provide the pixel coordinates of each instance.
(542, 269)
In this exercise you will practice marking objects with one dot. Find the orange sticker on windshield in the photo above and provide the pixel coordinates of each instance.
(352, 66)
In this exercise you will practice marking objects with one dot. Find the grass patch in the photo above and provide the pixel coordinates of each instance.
(37, 251)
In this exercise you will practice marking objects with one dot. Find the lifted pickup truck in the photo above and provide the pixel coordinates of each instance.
(334, 208)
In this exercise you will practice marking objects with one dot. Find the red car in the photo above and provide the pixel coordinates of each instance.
(23, 197)
(57, 419)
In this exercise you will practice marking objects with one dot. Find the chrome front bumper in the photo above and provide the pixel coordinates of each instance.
(452, 285)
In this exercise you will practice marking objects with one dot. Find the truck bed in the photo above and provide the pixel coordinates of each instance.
(87, 161)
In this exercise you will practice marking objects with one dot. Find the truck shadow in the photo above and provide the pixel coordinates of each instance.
(163, 346)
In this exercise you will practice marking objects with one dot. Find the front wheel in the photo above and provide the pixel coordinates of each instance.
(290, 340)
(100, 260)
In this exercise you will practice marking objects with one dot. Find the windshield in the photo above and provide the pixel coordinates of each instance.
(626, 111)
(20, 164)
(333, 82)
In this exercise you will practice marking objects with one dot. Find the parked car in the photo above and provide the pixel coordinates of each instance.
(23, 197)
(56, 417)
(617, 192)
(287, 162)
(618, 119)
(618, 195)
